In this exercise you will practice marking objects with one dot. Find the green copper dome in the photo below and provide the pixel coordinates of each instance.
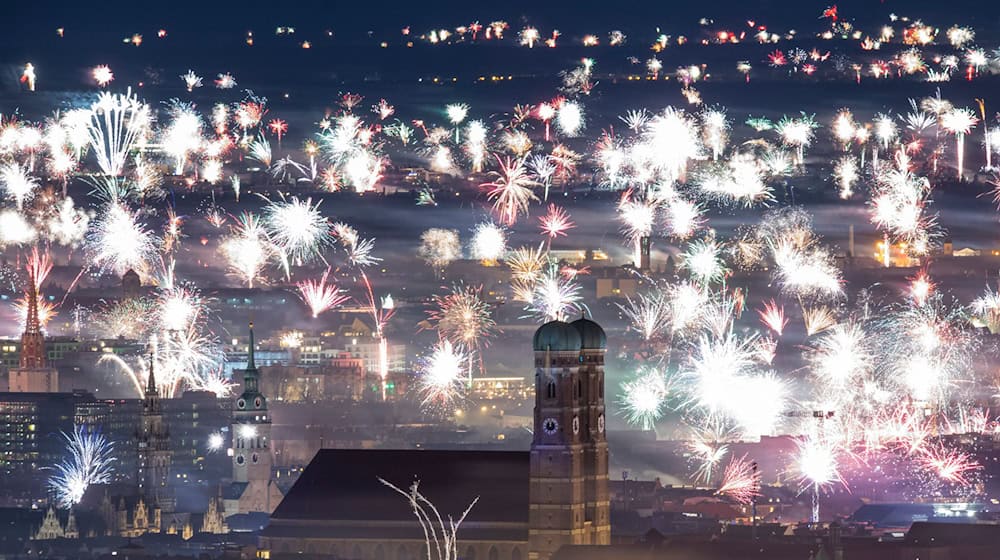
(557, 336)
(592, 336)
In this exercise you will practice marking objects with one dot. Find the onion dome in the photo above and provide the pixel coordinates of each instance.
(592, 336)
(557, 336)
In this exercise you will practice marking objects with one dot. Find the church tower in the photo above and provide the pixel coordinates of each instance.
(33, 374)
(253, 489)
(569, 453)
(154, 449)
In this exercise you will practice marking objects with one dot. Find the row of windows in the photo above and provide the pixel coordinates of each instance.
(550, 389)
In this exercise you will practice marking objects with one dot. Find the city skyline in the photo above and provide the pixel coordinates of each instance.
(752, 247)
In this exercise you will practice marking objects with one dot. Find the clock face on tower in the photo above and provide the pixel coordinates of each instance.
(600, 423)
(576, 425)
(550, 426)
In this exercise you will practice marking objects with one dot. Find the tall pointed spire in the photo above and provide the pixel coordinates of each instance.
(32, 325)
(250, 362)
(251, 389)
(151, 379)
(32, 341)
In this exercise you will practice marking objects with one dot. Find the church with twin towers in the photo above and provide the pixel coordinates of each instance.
(530, 503)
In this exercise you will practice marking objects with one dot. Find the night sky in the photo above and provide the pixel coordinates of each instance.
(357, 18)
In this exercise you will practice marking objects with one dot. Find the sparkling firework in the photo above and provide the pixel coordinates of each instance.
(489, 242)
(17, 183)
(215, 442)
(555, 297)
(644, 397)
(648, 314)
(740, 480)
(298, 229)
(817, 467)
(320, 296)
(797, 133)
(191, 80)
(569, 118)
(773, 317)
(959, 121)
(248, 249)
(102, 75)
(703, 260)
(90, 461)
(511, 190)
(439, 247)
(556, 222)
(441, 382)
(359, 250)
(119, 241)
(949, 465)
(116, 123)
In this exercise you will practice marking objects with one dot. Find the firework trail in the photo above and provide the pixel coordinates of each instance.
(740, 480)
(117, 122)
(797, 133)
(817, 466)
(441, 539)
(359, 250)
(380, 314)
(959, 121)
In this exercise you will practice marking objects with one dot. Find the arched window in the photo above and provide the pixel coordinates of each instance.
(356, 553)
(550, 390)
(470, 554)
(579, 388)
(494, 553)
(515, 554)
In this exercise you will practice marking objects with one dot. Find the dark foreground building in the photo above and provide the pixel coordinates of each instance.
(530, 503)
(924, 541)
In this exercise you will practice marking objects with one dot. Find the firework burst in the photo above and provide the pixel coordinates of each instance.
(90, 461)
(740, 480)
(319, 295)
(644, 397)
